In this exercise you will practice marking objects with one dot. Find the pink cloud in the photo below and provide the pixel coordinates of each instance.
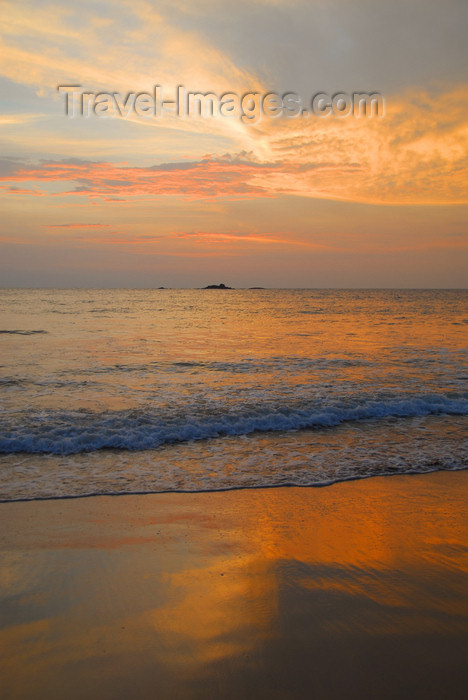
(227, 176)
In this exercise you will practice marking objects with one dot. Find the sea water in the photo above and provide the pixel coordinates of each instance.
(140, 390)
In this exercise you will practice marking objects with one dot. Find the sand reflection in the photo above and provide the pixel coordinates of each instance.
(239, 594)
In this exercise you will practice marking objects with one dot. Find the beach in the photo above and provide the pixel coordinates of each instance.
(233, 350)
(355, 590)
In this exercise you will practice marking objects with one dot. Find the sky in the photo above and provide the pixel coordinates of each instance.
(184, 201)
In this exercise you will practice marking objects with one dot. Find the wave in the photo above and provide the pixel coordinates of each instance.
(66, 433)
(245, 366)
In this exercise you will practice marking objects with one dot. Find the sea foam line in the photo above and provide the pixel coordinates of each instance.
(238, 487)
(74, 432)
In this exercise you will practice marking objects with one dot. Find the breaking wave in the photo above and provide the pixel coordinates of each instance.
(66, 433)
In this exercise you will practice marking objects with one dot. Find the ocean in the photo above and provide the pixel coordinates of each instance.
(151, 390)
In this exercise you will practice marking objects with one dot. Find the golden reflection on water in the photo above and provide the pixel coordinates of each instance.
(100, 336)
(239, 594)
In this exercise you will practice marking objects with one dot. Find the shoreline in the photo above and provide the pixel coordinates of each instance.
(353, 591)
(229, 489)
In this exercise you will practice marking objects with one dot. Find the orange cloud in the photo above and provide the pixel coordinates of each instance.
(224, 176)
(207, 178)
(22, 191)
(416, 154)
(214, 237)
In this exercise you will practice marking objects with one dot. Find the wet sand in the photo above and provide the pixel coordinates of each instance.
(357, 590)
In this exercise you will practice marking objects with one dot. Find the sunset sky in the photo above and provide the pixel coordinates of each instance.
(185, 201)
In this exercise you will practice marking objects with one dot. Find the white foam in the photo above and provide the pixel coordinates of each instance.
(78, 431)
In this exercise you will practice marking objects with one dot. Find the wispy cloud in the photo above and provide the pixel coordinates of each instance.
(416, 154)
(75, 225)
(210, 177)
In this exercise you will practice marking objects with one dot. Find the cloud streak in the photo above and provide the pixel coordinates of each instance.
(211, 177)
